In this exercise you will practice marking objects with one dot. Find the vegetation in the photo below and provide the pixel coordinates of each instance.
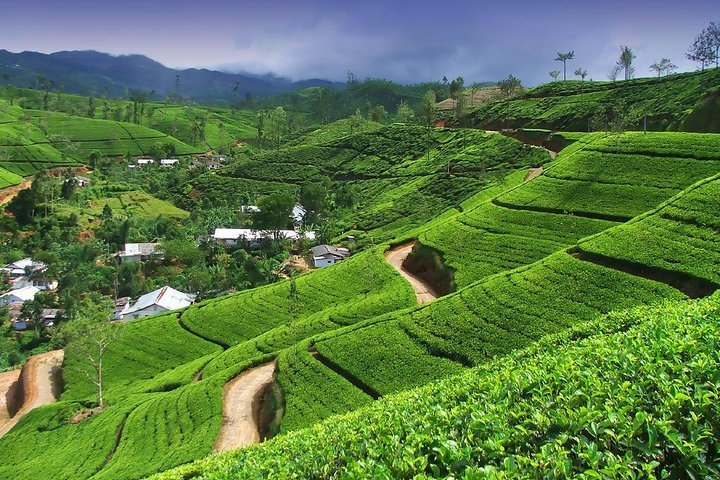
(683, 102)
(614, 402)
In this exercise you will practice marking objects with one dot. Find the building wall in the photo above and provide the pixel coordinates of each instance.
(323, 262)
(145, 312)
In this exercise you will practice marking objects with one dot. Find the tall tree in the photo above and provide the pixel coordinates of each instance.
(474, 88)
(564, 57)
(427, 115)
(625, 61)
(712, 32)
(509, 86)
(277, 126)
(457, 90)
(90, 339)
(555, 74)
(275, 210)
(702, 50)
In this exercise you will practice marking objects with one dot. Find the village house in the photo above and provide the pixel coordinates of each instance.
(48, 315)
(250, 238)
(168, 162)
(80, 181)
(324, 255)
(218, 158)
(140, 252)
(141, 161)
(18, 296)
(249, 208)
(161, 300)
(28, 272)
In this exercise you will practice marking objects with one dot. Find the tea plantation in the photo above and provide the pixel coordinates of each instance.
(684, 102)
(577, 336)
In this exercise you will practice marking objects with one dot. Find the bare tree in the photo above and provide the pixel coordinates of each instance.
(614, 72)
(704, 50)
(555, 74)
(564, 57)
(663, 66)
(625, 61)
(582, 73)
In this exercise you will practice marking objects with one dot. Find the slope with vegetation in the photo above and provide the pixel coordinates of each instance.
(628, 395)
(683, 102)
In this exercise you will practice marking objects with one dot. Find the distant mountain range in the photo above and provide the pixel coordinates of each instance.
(89, 72)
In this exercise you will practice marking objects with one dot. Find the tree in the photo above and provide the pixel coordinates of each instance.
(88, 339)
(712, 32)
(614, 72)
(357, 121)
(378, 114)
(313, 196)
(564, 57)
(457, 89)
(277, 126)
(555, 74)
(275, 210)
(426, 115)
(582, 73)
(702, 50)
(509, 86)
(260, 125)
(404, 112)
(23, 206)
(664, 65)
(625, 61)
(474, 88)
(91, 107)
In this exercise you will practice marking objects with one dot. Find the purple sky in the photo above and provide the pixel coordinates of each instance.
(407, 41)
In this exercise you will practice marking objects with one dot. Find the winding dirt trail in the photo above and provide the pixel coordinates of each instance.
(242, 398)
(395, 257)
(42, 385)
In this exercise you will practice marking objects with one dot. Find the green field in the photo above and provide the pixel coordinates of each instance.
(128, 204)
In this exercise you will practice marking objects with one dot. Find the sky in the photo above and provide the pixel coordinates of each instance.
(406, 41)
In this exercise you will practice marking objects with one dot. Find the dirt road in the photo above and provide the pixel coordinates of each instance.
(8, 193)
(7, 386)
(242, 398)
(395, 257)
(42, 385)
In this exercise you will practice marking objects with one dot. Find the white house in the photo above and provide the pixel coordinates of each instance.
(168, 162)
(28, 272)
(298, 214)
(145, 161)
(139, 252)
(249, 208)
(161, 300)
(252, 238)
(19, 296)
(324, 255)
(80, 181)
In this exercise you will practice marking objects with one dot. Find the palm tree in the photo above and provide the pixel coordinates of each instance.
(564, 57)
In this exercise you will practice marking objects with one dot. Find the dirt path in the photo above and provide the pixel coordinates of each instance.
(8, 193)
(395, 257)
(532, 173)
(42, 385)
(242, 398)
(7, 382)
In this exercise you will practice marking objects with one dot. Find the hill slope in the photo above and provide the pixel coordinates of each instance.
(685, 102)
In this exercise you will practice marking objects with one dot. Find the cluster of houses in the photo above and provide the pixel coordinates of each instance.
(211, 162)
(27, 278)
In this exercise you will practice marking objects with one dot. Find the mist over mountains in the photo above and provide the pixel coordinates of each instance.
(94, 73)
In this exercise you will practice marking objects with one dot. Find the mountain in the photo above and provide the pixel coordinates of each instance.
(87, 72)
